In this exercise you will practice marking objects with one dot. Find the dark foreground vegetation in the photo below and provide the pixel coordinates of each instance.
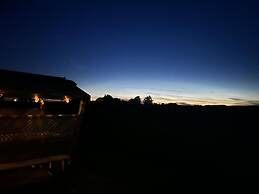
(144, 148)
(128, 147)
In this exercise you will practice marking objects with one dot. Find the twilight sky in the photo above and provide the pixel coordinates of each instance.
(185, 51)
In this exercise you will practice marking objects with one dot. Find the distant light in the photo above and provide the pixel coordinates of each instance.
(15, 100)
(36, 98)
(66, 99)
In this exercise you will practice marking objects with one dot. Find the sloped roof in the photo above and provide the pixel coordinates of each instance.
(14, 83)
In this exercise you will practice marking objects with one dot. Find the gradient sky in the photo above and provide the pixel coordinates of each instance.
(197, 52)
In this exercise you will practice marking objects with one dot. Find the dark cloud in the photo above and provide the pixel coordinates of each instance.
(240, 101)
(237, 99)
(253, 102)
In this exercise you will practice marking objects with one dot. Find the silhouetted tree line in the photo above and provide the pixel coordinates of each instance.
(137, 100)
(148, 100)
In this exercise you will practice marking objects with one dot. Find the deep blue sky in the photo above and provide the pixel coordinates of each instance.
(202, 52)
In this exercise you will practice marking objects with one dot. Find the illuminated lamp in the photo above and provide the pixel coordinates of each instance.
(36, 98)
(66, 99)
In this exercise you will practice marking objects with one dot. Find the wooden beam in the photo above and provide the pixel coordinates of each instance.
(26, 163)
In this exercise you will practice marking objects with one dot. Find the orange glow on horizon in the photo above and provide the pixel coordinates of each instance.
(183, 100)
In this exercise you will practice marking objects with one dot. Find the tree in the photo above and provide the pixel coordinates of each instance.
(107, 98)
(136, 100)
(148, 100)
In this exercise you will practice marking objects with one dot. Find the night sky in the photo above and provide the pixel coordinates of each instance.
(195, 52)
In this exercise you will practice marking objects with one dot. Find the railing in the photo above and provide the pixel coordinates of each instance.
(26, 128)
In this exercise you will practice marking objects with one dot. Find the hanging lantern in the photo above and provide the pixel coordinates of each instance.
(66, 99)
(36, 98)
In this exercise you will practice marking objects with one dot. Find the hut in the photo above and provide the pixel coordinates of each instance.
(39, 120)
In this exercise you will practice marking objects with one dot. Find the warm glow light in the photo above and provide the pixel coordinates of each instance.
(66, 99)
(36, 98)
(41, 102)
(15, 100)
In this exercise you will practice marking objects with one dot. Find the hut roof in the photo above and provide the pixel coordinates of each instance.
(13, 83)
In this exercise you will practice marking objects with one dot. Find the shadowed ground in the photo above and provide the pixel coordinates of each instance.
(134, 148)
